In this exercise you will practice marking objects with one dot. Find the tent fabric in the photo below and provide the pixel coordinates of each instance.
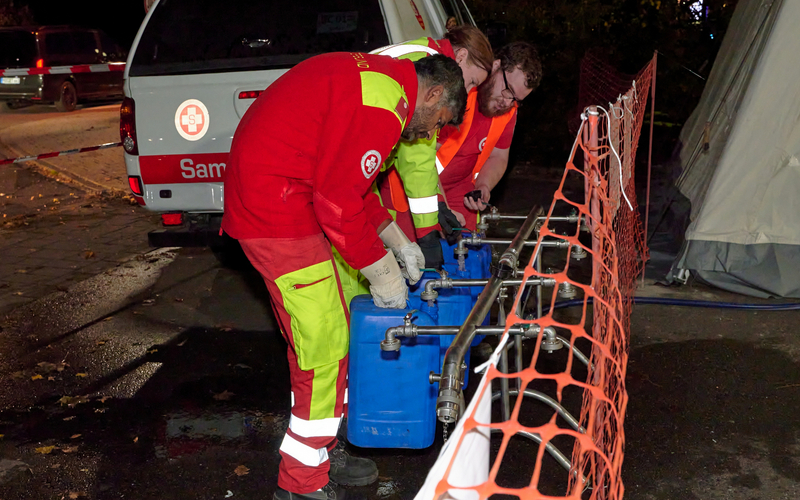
(740, 158)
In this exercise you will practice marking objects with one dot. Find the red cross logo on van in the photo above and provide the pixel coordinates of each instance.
(191, 120)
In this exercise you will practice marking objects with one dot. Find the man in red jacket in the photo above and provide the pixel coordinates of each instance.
(298, 199)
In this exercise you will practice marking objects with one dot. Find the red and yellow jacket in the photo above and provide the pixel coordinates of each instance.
(411, 183)
(308, 149)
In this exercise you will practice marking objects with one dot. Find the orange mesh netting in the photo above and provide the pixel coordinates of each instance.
(607, 141)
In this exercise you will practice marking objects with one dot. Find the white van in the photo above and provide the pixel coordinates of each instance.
(196, 66)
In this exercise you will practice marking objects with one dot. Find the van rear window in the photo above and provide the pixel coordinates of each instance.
(202, 36)
(17, 49)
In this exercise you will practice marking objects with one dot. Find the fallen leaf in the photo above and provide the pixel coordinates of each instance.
(104, 399)
(74, 495)
(108, 318)
(37, 377)
(72, 401)
(74, 436)
(88, 254)
(181, 344)
(152, 351)
(100, 410)
(84, 470)
(101, 342)
(2, 436)
(55, 466)
(69, 449)
(51, 378)
(67, 419)
(223, 396)
(241, 470)
(136, 439)
(178, 300)
(44, 450)
(82, 375)
(148, 302)
(18, 375)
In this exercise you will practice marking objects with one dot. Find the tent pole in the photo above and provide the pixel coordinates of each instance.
(650, 150)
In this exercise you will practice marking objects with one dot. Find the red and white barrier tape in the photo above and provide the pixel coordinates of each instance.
(64, 70)
(60, 153)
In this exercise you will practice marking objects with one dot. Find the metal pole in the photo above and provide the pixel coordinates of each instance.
(650, 151)
(448, 403)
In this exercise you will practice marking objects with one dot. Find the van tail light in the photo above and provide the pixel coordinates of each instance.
(40, 63)
(173, 219)
(250, 94)
(135, 182)
(127, 126)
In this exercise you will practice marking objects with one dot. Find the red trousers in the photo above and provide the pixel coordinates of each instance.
(306, 291)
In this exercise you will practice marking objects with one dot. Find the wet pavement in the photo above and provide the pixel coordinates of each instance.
(132, 373)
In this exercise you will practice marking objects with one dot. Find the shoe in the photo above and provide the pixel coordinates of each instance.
(330, 491)
(348, 470)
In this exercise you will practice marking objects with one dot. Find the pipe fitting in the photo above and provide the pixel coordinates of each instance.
(550, 342)
(578, 252)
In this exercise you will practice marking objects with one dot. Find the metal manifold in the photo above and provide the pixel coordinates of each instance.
(505, 275)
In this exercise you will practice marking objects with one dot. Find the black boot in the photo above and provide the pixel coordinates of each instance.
(348, 470)
(330, 491)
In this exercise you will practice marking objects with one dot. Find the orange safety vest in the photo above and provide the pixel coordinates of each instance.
(453, 143)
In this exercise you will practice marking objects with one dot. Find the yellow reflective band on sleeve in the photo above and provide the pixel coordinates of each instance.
(425, 220)
(381, 91)
(304, 454)
(423, 205)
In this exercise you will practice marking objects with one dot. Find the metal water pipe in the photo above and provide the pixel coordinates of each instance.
(449, 402)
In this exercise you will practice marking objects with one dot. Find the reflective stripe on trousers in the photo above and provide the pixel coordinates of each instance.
(305, 287)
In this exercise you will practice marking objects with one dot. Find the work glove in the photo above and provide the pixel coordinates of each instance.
(432, 250)
(386, 284)
(449, 223)
(408, 254)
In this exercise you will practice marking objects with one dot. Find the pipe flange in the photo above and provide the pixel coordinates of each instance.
(567, 290)
(551, 344)
(390, 345)
(429, 295)
(578, 252)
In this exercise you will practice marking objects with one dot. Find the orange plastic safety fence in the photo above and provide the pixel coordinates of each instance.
(616, 247)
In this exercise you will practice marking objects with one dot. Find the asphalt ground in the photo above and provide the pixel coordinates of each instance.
(168, 375)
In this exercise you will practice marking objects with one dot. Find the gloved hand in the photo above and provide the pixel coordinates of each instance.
(449, 223)
(408, 254)
(386, 284)
(432, 250)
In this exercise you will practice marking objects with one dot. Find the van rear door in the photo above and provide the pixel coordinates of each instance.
(195, 67)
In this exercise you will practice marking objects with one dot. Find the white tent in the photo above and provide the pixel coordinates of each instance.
(740, 158)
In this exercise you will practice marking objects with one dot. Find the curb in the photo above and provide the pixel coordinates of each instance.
(46, 168)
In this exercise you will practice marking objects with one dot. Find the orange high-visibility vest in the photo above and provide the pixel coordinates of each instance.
(453, 143)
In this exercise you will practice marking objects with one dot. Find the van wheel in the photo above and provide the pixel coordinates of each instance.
(67, 97)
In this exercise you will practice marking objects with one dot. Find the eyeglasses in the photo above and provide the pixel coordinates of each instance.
(508, 93)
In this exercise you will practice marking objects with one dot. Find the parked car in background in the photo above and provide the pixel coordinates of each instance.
(49, 46)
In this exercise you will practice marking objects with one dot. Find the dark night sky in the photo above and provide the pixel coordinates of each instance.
(120, 19)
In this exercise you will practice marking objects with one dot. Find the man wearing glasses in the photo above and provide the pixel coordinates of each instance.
(473, 157)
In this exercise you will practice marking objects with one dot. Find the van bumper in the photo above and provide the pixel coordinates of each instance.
(197, 230)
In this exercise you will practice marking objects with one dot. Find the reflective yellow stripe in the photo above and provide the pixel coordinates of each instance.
(314, 428)
(424, 205)
(306, 455)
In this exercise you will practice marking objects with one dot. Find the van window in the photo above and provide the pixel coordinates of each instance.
(17, 49)
(65, 48)
(200, 36)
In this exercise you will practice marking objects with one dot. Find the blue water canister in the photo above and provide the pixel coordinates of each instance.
(391, 403)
